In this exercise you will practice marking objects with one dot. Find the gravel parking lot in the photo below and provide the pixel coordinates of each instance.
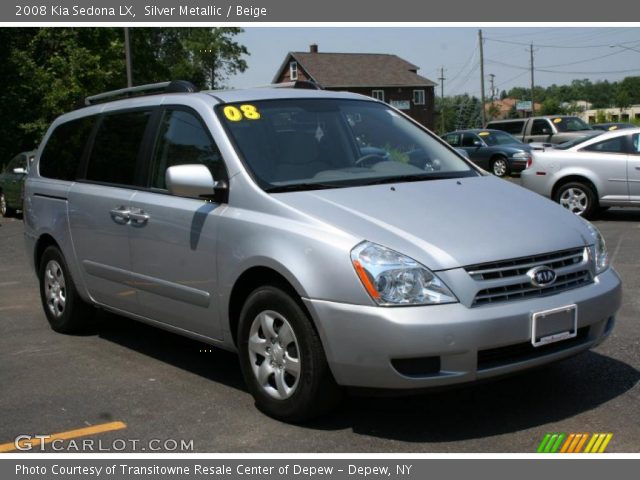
(166, 387)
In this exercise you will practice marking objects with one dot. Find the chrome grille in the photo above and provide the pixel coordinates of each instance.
(507, 280)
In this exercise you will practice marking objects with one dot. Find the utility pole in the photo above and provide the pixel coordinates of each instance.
(492, 95)
(127, 57)
(533, 104)
(482, 109)
(442, 79)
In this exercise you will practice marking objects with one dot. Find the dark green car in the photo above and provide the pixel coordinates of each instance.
(494, 150)
(12, 181)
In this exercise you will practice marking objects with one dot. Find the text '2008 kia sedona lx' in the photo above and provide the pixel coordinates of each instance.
(326, 237)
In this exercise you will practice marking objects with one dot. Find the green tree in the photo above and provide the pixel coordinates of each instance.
(49, 71)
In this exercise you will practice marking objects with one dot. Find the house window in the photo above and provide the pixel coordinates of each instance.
(293, 70)
(418, 97)
(378, 94)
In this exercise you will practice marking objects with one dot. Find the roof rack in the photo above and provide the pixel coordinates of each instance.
(175, 86)
(303, 84)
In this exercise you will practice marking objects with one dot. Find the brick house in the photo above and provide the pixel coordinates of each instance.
(386, 77)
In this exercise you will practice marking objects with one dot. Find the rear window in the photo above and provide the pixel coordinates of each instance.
(513, 128)
(63, 151)
(116, 147)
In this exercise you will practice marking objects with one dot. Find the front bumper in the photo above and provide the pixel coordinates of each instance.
(360, 342)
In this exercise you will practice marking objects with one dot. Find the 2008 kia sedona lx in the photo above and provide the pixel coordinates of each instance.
(328, 238)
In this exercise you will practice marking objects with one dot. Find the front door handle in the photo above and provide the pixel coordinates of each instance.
(120, 214)
(139, 217)
(637, 167)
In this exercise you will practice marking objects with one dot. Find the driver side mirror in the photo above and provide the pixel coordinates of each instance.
(192, 181)
(20, 171)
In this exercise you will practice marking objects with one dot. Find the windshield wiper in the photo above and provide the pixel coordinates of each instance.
(407, 178)
(299, 187)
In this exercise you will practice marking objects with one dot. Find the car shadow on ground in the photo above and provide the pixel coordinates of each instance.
(546, 395)
(549, 394)
(620, 215)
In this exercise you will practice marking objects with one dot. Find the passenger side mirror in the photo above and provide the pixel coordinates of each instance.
(477, 143)
(20, 171)
(193, 181)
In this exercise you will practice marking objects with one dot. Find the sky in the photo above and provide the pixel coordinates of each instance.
(561, 54)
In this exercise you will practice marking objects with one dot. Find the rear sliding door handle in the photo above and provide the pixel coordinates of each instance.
(637, 167)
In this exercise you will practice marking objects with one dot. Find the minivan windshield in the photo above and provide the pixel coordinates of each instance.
(306, 144)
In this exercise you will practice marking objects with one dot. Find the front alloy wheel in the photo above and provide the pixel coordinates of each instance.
(273, 354)
(281, 356)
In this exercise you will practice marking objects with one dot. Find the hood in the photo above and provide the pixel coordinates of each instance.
(447, 224)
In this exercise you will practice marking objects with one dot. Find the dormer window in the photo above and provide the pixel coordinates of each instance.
(293, 70)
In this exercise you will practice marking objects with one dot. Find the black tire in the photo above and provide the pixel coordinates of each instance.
(315, 391)
(500, 166)
(5, 210)
(74, 315)
(579, 198)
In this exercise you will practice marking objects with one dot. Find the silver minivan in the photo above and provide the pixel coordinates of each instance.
(326, 237)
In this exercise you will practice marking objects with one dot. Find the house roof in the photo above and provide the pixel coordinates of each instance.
(333, 70)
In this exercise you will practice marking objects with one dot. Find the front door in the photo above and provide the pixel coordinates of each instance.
(174, 239)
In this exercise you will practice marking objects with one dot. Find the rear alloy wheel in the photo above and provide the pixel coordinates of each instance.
(577, 197)
(282, 358)
(500, 167)
(65, 310)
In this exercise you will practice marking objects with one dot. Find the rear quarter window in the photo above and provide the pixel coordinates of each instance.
(63, 152)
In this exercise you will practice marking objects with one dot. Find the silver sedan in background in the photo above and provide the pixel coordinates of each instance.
(589, 175)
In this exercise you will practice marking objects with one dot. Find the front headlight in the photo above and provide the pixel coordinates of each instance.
(521, 156)
(395, 279)
(601, 256)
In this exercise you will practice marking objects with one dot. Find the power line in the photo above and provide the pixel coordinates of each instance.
(512, 42)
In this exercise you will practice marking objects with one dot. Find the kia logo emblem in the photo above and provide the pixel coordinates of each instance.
(541, 276)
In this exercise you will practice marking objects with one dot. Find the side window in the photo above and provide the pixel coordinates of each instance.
(453, 139)
(614, 145)
(636, 144)
(116, 147)
(62, 153)
(468, 139)
(514, 128)
(183, 140)
(541, 127)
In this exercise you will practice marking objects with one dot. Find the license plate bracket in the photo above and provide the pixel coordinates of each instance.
(555, 325)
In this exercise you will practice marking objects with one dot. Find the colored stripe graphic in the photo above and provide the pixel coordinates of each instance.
(574, 442)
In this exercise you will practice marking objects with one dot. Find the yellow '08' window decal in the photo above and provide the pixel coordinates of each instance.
(235, 114)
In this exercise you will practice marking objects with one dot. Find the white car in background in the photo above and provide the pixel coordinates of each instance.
(587, 175)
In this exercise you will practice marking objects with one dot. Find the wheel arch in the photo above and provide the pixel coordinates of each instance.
(578, 178)
(247, 282)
